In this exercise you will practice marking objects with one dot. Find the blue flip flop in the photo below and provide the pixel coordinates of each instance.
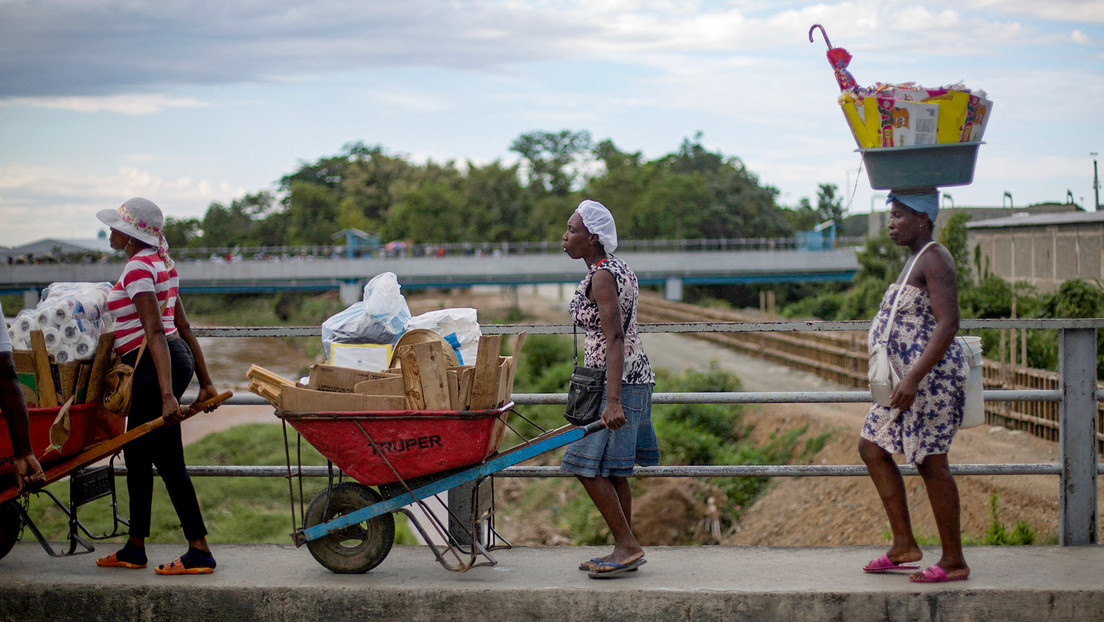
(615, 568)
(591, 564)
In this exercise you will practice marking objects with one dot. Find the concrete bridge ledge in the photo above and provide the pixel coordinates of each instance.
(281, 583)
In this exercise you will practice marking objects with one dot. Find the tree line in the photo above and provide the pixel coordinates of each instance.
(691, 192)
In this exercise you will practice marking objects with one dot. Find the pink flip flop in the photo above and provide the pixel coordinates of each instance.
(935, 574)
(884, 564)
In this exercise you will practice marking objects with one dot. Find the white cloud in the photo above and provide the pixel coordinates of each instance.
(132, 104)
(121, 47)
(409, 99)
(37, 202)
(644, 73)
(1051, 10)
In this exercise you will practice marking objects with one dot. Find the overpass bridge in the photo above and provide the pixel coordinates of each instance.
(670, 269)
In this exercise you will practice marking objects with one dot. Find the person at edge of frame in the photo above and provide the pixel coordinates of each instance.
(26, 469)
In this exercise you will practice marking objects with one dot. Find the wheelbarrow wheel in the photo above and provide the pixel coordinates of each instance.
(10, 524)
(357, 548)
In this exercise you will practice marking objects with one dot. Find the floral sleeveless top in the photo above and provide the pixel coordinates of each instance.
(584, 312)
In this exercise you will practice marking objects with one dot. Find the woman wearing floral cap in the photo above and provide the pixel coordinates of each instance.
(152, 334)
(926, 405)
(604, 306)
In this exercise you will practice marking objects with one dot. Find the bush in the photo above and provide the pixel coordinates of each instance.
(1074, 299)
(822, 307)
(997, 533)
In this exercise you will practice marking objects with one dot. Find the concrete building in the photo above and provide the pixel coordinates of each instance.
(1043, 244)
(880, 219)
(1042, 249)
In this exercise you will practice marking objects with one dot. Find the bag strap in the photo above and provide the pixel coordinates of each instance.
(574, 324)
(575, 341)
(897, 294)
(142, 348)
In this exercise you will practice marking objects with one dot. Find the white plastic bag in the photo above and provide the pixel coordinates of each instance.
(459, 327)
(380, 317)
(383, 301)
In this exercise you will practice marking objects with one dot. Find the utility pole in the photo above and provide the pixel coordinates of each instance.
(1096, 181)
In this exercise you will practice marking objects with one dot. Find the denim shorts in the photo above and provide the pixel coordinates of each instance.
(614, 452)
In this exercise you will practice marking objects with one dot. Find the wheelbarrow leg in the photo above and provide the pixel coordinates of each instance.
(451, 547)
(37, 534)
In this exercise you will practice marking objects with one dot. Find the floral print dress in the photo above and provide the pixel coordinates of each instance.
(928, 426)
(584, 312)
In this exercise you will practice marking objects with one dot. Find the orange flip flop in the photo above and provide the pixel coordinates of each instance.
(177, 567)
(113, 561)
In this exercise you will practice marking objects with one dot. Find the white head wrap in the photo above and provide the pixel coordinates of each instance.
(599, 221)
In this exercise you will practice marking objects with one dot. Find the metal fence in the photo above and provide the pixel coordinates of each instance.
(1076, 396)
(841, 357)
(405, 249)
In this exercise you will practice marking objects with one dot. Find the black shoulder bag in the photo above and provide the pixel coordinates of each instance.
(584, 392)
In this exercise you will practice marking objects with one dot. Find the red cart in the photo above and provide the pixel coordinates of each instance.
(408, 456)
(93, 434)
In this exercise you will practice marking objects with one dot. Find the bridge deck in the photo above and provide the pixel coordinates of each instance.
(651, 268)
(269, 582)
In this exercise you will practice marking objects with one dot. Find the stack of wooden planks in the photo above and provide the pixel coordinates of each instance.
(431, 382)
(424, 377)
(48, 384)
(266, 383)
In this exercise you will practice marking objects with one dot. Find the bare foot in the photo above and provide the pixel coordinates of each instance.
(905, 555)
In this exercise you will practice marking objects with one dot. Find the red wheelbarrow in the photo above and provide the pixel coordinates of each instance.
(93, 434)
(408, 457)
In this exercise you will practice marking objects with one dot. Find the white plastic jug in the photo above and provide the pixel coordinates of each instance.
(973, 412)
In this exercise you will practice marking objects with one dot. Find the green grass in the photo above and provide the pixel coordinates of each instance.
(240, 510)
(996, 534)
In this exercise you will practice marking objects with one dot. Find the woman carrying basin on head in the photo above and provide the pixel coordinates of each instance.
(927, 403)
(604, 306)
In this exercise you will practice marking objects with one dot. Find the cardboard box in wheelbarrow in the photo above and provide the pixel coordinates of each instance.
(428, 428)
(331, 389)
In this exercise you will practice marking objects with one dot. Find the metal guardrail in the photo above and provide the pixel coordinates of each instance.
(1077, 395)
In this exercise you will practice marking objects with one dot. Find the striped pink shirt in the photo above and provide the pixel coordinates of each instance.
(145, 272)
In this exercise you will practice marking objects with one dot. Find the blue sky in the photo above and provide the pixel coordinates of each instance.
(196, 101)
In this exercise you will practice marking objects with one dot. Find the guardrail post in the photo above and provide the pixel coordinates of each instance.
(468, 501)
(1077, 436)
(673, 289)
(351, 291)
